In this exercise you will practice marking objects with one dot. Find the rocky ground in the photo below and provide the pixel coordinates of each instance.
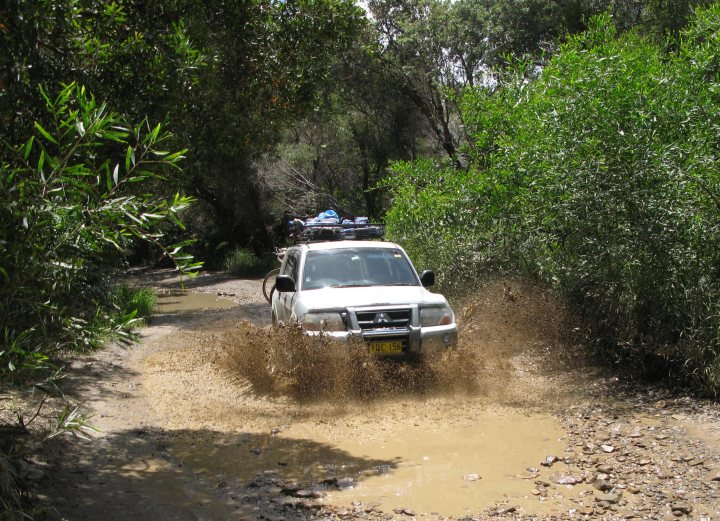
(517, 425)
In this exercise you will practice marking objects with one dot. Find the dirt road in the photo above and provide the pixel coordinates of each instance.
(214, 416)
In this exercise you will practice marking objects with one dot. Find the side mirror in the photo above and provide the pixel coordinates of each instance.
(427, 278)
(284, 284)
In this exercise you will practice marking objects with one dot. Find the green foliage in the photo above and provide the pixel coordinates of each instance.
(263, 77)
(136, 59)
(243, 261)
(74, 423)
(72, 200)
(140, 302)
(599, 175)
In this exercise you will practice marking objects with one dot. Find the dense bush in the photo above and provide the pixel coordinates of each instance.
(243, 261)
(598, 174)
(73, 198)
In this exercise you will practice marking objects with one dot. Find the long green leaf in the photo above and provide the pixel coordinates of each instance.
(45, 133)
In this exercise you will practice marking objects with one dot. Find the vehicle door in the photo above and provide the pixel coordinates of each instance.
(286, 300)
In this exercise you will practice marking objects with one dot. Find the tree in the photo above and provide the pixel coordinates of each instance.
(260, 80)
(133, 61)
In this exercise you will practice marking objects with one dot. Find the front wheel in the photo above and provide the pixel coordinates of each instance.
(269, 284)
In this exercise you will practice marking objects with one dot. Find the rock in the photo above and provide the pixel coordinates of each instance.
(683, 508)
(695, 462)
(607, 448)
(644, 462)
(714, 475)
(602, 485)
(346, 482)
(290, 488)
(604, 468)
(406, 511)
(563, 479)
(506, 510)
(274, 432)
(535, 492)
(549, 460)
(472, 477)
(608, 498)
(309, 504)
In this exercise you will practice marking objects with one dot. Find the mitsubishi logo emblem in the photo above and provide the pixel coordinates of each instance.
(381, 319)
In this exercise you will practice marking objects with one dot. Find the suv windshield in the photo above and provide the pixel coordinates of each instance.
(355, 267)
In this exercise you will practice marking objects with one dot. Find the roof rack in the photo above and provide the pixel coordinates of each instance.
(301, 231)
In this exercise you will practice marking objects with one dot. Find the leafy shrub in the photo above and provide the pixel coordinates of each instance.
(137, 301)
(599, 175)
(244, 262)
(73, 198)
(241, 261)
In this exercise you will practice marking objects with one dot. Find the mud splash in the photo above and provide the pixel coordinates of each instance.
(506, 331)
(285, 362)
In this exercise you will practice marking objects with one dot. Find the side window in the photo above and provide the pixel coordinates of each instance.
(291, 266)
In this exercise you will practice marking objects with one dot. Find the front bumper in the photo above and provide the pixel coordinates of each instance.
(416, 339)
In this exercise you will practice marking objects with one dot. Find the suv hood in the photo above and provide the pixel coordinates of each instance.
(340, 298)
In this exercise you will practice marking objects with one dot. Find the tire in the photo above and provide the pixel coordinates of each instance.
(268, 289)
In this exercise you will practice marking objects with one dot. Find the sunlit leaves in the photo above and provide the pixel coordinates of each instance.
(599, 175)
(68, 216)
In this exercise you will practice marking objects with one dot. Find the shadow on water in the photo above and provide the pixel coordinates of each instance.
(197, 474)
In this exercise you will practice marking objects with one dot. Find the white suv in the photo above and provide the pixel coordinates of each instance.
(362, 289)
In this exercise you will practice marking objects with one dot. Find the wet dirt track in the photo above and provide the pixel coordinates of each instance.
(210, 418)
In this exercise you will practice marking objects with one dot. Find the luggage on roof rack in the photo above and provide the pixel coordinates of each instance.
(328, 226)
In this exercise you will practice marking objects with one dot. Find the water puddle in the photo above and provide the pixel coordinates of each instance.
(456, 467)
(180, 301)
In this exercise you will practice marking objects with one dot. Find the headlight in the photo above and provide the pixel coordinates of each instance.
(323, 322)
(437, 316)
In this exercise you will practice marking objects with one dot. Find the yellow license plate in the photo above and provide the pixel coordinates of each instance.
(386, 348)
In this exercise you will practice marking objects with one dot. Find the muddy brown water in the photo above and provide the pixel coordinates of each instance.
(432, 437)
(183, 301)
(454, 467)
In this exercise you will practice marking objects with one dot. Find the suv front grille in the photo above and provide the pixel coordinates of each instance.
(384, 319)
